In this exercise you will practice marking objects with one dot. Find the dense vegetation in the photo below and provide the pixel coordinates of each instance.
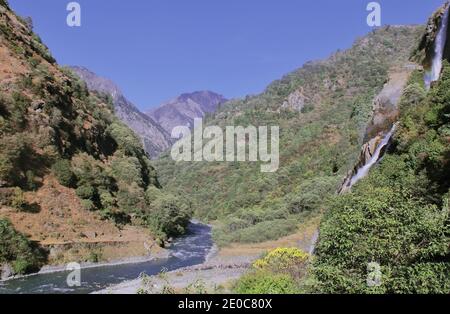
(50, 125)
(320, 137)
(16, 249)
(399, 216)
(281, 271)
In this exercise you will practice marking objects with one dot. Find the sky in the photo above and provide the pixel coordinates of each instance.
(157, 49)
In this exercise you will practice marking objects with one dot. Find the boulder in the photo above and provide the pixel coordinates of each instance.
(6, 271)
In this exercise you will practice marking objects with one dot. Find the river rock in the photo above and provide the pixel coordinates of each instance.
(6, 271)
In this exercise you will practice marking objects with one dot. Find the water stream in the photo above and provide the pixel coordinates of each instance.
(439, 46)
(364, 170)
(188, 250)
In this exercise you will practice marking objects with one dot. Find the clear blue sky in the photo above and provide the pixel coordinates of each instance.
(157, 49)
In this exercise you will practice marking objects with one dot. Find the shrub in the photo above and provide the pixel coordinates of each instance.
(130, 199)
(16, 249)
(168, 217)
(86, 192)
(260, 232)
(291, 261)
(261, 282)
(125, 139)
(63, 172)
(30, 183)
(11, 159)
(18, 199)
(88, 205)
(127, 170)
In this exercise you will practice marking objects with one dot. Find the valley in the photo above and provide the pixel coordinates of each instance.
(357, 175)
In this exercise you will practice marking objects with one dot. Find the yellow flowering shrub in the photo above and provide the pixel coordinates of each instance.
(292, 261)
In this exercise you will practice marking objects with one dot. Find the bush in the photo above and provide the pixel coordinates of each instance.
(260, 232)
(11, 156)
(126, 140)
(63, 172)
(169, 217)
(18, 199)
(86, 192)
(88, 205)
(16, 249)
(127, 170)
(261, 282)
(290, 261)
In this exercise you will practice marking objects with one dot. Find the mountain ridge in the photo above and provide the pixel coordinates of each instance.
(182, 110)
(154, 137)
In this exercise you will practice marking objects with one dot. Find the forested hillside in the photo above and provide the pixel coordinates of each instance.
(322, 110)
(67, 164)
(399, 216)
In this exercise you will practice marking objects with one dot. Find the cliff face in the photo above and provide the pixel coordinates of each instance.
(182, 110)
(154, 137)
(425, 51)
(384, 114)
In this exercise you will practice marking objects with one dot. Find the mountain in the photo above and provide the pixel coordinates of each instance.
(390, 233)
(182, 110)
(75, 182)
(154, 137)
(323, 110)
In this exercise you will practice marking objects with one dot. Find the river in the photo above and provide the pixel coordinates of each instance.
(191, 249)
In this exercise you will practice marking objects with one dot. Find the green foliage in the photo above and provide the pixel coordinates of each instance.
(125, 138)
(266, 283)
(127, 170)
(4, 3)
(318, 145)
(168, 217)
(291, 261)
(18, 199)
(63, 172)
(399, 216)
(86, 192)
(260, 232)
(16, 249)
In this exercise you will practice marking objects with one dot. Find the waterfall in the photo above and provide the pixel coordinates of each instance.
(439, 46)
(364, 170)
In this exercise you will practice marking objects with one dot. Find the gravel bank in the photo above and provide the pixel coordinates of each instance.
(216, 273)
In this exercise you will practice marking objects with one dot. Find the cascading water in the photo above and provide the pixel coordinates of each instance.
(364, 170)
(439, 46)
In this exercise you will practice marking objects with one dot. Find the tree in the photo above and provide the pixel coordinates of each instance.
(16, 249)
(63, 172)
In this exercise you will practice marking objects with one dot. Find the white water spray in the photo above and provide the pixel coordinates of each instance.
(439, 46)
(364, 170)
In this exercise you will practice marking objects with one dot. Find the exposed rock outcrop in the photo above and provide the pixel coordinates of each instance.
(295, 101)
(384, 115)
(425, 52)
(385, 111)
(366, 154)
(6, 271)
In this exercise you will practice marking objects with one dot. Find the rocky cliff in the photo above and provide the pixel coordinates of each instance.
(384, 114)
(425, 51)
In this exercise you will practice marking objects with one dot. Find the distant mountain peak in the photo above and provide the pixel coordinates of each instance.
(154, 137)
(183, 109)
